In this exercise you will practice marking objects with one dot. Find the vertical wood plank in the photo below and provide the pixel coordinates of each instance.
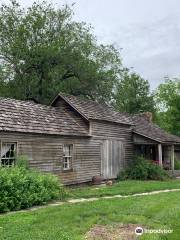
(172, 157)
(113, 158)
(160, 155)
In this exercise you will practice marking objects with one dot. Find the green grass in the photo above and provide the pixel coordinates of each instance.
(123, 188)
(71, 222)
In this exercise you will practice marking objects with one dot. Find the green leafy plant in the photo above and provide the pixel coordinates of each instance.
(22, 188)
(22, 161)
(176, 164)
(143, 169)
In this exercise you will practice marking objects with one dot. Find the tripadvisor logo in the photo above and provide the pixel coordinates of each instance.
(139, 231)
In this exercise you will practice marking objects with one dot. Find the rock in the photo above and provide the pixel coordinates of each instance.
(109, 183)
(97, 180)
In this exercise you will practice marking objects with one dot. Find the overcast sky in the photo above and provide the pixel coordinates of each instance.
(148, 31)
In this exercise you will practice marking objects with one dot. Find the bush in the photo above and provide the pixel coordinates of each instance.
(142, 169)
(177, 164)
(21, 188)
(22, 161)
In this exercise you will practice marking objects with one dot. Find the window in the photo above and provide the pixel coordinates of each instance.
(8, 153)
(67, 157)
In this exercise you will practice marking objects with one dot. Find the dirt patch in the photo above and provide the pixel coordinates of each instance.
(112, 232)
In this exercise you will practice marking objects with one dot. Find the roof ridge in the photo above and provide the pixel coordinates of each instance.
(93, 101)
(95, 110)
(84, 99)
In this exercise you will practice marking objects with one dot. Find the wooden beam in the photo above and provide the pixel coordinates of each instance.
(172, 157)
(160, 155)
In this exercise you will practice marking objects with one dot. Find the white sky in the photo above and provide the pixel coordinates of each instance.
(148, 31)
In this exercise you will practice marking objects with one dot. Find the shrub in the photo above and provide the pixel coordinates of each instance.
(176, 164)
(142, 169)
(22, 161)
(21, 188)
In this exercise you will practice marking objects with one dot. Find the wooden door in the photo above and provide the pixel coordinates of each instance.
(112, 158)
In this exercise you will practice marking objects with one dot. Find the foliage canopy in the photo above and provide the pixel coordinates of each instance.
(133, 94)
(168, 101)
(43, 51)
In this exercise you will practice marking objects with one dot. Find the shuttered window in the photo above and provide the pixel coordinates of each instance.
(67, 156)
(8, 153)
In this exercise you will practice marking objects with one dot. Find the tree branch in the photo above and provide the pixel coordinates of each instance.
(69, 75)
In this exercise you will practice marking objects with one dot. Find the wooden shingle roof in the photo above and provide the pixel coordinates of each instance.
(151, 130)
(28, 117)
(93, 110)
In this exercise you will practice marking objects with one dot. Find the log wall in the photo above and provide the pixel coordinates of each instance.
(62, 106)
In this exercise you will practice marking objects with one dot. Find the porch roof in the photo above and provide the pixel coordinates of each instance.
(148, 129)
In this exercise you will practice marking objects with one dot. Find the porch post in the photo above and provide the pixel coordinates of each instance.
(172, 157)
(160, 155)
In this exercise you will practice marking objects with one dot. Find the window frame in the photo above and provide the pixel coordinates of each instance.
(4, 141)
(69, 158)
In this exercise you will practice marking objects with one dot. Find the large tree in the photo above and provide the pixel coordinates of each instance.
(43, 51)
(168, 103)
(133, 94)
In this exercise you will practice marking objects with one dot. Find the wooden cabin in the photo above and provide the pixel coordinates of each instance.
(77, 139)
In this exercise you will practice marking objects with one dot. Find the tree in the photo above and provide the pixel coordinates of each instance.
(168, 104)
(133, 94)
(43, 51)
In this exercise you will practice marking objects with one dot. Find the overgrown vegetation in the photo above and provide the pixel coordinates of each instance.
(22, 162)
(22, 188)
(143, 169)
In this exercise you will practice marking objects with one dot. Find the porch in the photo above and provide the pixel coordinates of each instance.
(161, 154)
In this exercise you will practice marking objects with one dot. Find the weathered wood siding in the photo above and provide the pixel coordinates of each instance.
(62, 106)
(138, 139)
(119, 137)
(112, 158)
(113, 131)
(45, 153)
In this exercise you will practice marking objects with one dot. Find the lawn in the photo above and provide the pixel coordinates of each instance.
(123, 188)
(72, 222)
